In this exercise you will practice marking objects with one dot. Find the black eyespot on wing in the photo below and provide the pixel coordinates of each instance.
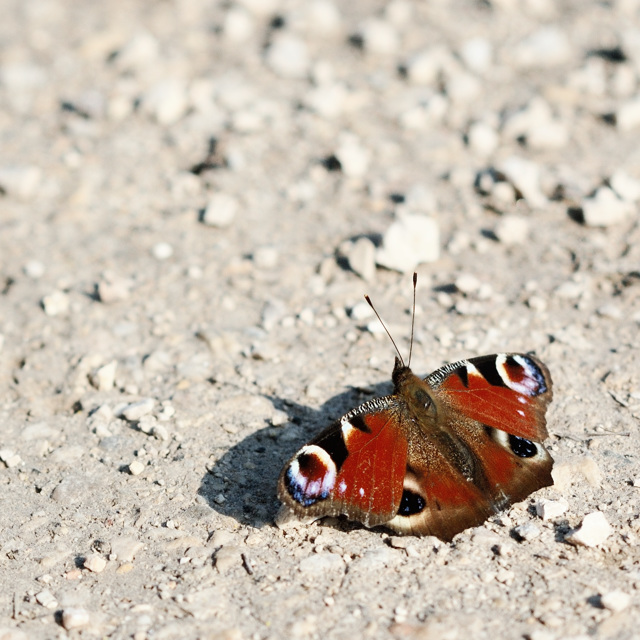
(411, 503)
(296, 491)
(521, 447)
(487, 367)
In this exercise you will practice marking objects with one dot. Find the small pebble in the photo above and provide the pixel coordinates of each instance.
(10, 458)
(483, 138)
(625, 186)
(20, 182)
(605, 209)
(593, 531)
(477, 54)
(628, 115)
(95, 563)
(112, 288)
(288, 57)
(354, 158)
(46, 599)
(134, 411)
(74, 618)
(140, 51)
(56, 303)
(167, 101)
(220, 211)
(551, 509)
(408, 242)
(136, 468)
(266, 257)
(512, 230)
(379, 36)
(361, 311)
(615, 600)
(524, 174)
(238, 25)
(362, 258)
(104, 377)
(527, 531)
(547, 47)
(162, 250)
(467, 283)
(34, 269)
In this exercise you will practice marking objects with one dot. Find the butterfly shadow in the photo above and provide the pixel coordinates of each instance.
(242, 483)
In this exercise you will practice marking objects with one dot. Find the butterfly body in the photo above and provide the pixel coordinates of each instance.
(439, 455)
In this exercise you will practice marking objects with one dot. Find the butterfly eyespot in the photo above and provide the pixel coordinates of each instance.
(311, 476)
(522, 448)
(411, 503)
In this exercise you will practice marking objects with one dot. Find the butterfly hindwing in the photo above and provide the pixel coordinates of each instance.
(355, 467)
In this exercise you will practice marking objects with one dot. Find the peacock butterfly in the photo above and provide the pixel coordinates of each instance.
(438, 455)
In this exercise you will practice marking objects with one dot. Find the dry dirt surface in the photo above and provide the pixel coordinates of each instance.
(194, 198)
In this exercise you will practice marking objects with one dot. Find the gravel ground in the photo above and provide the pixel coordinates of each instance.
(194, 198)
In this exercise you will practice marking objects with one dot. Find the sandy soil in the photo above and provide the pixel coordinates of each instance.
(182, 186)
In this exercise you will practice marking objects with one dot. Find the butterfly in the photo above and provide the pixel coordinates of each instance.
(437, 456)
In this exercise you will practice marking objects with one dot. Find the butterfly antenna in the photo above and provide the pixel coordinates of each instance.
(368, 299)
(413, 316)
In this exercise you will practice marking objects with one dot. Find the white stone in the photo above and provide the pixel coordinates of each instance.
(104, 377)
(238, 25)
(34, 269)
(74, 618)
(615, 600)
(627, 187)
(425, 67)
(467, 283)
(361, 311)
(362, 258)
(593, 531)
(167, 101)
(323, 17)
(136, 468)
(141, 50)
(483, 138)
(95, 563)
(46, 599)
(379, 36)
(113, 288)
(477, 54)
(528, 531)
(328, 100)
(408, 242)
(220, 211)
(266, 257)
(56, 303)
(512, 229)
(354, 158)
(628, 115)
(288, 56)
(20, 182)
(547, 47)
(605, 209)
(525, 176)
(10, 458)
(162, 250)
(551, 509)
(136, 410)
(463, 88)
